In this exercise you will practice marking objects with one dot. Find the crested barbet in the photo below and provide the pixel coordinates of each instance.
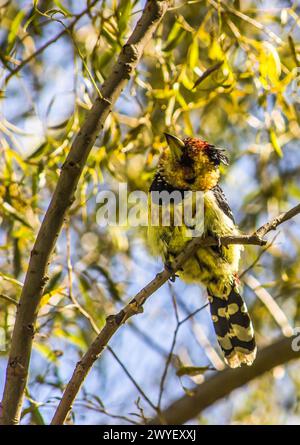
(193, 165)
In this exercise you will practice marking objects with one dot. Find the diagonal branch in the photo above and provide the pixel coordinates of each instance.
(135, 306)
(36, 278)
(224, 382)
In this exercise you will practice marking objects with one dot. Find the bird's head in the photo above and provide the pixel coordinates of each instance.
(191, 163)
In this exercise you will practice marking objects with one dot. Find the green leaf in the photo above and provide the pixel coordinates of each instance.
(123, 12)
(36, 415)
(14, 28)
(175, 36)
(104, 58)
(29, 20)
(74, 339)
(63, 8)
(111, 38)
(45, 351)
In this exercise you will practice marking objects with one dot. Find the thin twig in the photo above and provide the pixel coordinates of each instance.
(266, 298)
(49, 42)
(223, 383)
(261, 253)
(169, 359)
(63, 197)
(220, 5)
(272, 225)
(155, 346)
(92, 406)
(166, 368)
(135, 306)
(9, 299)
(140, 390)
(95, 328)
(201, 338)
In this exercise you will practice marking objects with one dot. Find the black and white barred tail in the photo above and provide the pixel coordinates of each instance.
(233, 328)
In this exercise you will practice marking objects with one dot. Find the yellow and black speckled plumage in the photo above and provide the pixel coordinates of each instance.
(193, 165)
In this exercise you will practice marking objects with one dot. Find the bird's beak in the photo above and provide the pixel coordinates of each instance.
(176, 145)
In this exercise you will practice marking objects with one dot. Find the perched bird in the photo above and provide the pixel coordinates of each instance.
(193, 164)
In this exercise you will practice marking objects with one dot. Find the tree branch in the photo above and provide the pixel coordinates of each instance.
(9, 299)
(35, 280)
(135, 306)
(224, 382)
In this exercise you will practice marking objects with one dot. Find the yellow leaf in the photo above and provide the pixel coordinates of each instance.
(46, 297)
(193, 56)
(270, 65)
(275, 143)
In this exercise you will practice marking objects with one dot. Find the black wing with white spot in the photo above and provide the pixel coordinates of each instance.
(222, 202)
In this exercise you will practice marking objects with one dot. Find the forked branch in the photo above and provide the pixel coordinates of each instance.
(63, 197)
(135, 306)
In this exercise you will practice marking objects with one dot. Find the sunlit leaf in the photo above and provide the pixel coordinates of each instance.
(14, 28)
(35, 413)
(124, 11)
(193, 56)
(74, 339)
(29, 20)
(275, 143)
(63, 8)
(176, 35)
(47, 296)
(46, 351)
(270, 65)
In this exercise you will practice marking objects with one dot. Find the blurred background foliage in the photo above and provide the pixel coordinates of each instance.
(224, 70)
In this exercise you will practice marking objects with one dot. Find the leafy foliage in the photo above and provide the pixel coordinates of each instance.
(227, 71)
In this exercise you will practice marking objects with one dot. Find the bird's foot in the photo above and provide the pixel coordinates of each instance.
(219, 243)
(218, 240)
(169, 268)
